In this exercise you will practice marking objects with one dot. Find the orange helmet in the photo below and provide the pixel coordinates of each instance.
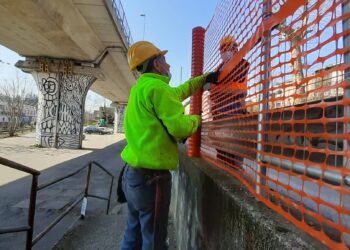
(141, 51)
(228, 40)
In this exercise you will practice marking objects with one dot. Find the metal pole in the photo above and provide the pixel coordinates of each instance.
(58, 219)
(110, 195)
(88, 180)
(346, 41)
(86, 193)
(181, 75)
(31, 212)
(263, 96)
(144, 25)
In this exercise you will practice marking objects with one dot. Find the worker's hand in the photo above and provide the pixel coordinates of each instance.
(212, 77)
(199, 120)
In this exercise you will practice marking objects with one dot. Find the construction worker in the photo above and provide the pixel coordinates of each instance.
(154, 123)
(227, 99)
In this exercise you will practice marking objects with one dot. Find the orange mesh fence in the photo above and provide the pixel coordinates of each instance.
(279, 119)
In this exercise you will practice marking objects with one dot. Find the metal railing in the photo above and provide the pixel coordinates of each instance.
(119, 10)
(35, 188)
(32, 201)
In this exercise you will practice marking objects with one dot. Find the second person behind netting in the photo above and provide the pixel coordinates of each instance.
(228, 100)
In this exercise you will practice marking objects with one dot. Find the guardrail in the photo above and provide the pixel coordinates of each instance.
(35, 188)
(119, 10)
(32, 201)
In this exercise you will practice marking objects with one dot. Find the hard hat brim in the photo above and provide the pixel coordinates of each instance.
(163, 52)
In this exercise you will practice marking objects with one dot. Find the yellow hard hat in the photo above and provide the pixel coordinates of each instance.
(141, 51)
(227, 40)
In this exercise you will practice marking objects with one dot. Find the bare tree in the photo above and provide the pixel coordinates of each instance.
(296, 35)
(13, 95)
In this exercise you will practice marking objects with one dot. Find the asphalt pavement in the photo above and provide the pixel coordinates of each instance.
(53, 163)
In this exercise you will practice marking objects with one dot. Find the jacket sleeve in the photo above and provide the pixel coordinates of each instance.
(190, 87)
(170, 111)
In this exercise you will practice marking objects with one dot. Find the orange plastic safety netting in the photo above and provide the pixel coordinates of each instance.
(279, 119)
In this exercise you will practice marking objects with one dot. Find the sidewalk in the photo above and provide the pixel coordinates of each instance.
(97, 230)
(21, 149)
(103, 232)
(53, 163)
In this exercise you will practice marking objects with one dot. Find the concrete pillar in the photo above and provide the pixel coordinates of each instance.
(119, 117)
(61, 109)
(62, 93)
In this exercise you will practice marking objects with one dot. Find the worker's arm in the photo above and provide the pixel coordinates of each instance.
(193, 85)
(170, 111)
(190, 87)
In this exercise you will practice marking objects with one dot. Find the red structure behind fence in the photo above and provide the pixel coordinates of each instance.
(279, 119)
(198, 35)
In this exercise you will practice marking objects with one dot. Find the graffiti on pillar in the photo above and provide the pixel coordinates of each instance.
(61, 107)
(119, 124)
(72, 101)
(47, 110)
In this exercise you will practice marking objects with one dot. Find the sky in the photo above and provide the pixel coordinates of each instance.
(168, 24)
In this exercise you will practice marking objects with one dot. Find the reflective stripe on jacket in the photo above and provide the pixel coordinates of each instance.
(155, 120)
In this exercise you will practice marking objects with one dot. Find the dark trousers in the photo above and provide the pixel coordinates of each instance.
(148, 194)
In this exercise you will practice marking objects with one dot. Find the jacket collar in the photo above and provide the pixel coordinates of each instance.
(156, 76)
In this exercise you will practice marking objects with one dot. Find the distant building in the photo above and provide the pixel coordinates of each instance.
(96, 115)
(318, 88)
(89, 116)
(29, 114)
(3, 118)
(107, 113)
(102, 113)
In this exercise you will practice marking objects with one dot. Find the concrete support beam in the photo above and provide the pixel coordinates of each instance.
(62, 92)
(119, 117)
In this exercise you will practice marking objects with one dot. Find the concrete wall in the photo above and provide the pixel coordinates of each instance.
(211, 210)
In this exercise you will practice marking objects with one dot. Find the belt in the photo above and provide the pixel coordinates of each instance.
(150, 171)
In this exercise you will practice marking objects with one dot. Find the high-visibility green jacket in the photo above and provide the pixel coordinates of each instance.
(155, 119)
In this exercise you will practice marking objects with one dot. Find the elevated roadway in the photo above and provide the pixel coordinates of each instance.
(70, 46)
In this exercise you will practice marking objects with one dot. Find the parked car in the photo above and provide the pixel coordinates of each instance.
(106, 130)
(95, 130)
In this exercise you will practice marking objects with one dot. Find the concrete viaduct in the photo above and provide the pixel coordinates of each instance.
(70, 46)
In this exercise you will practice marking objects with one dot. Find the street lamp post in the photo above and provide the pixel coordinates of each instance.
(144, 25)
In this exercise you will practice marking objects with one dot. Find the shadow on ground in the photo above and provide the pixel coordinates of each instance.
(53, 200)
